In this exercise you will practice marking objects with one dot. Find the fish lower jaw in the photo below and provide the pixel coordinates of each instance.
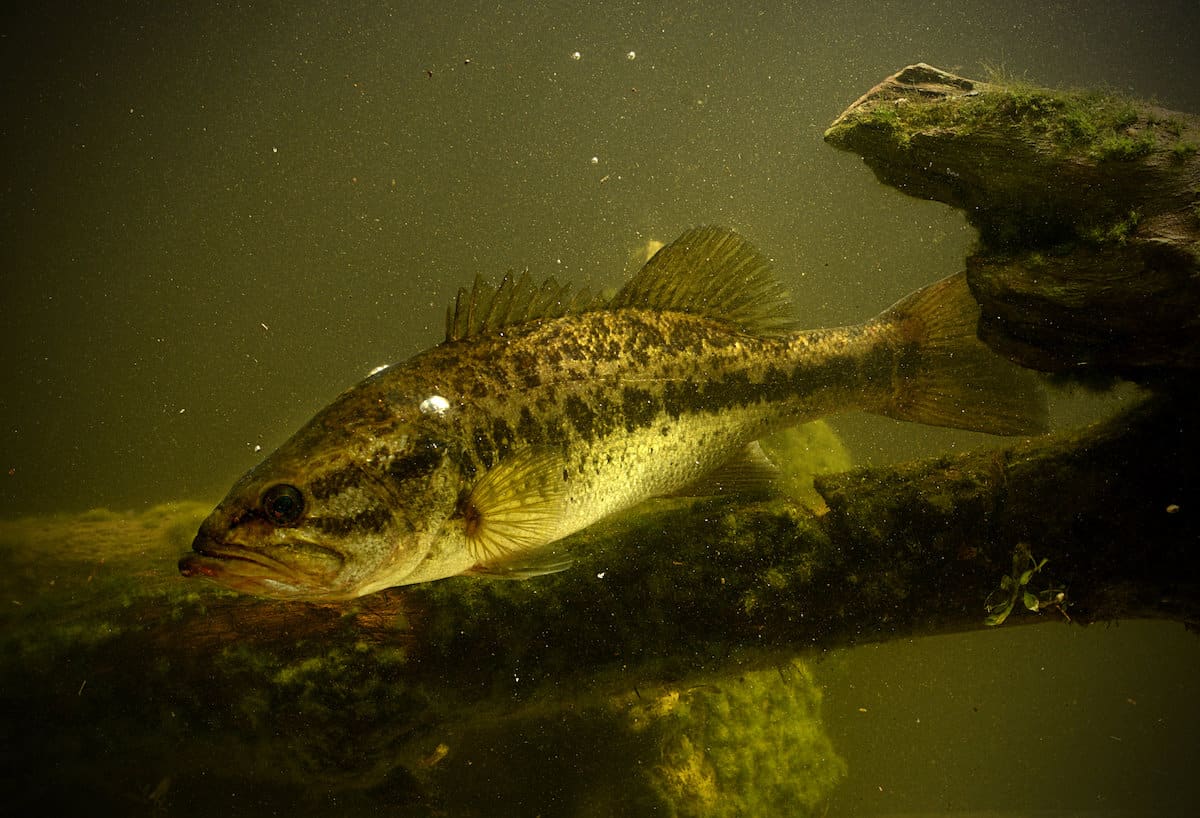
(209, 556)
(249, 571)
(217, 566)
(254, 579)
(240, 574)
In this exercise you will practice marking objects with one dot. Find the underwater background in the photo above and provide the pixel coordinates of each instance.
(219, 215)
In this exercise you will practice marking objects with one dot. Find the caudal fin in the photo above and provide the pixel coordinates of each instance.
(945, 376)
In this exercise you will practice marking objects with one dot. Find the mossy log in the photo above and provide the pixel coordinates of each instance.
(139, 686)
(1087, 205)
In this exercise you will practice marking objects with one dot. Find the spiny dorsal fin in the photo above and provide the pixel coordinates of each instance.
(516, 299)
(709, 271)
(714, 272)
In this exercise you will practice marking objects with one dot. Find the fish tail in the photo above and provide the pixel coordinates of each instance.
(943, 375)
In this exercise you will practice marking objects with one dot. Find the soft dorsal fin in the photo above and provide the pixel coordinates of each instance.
(516, 299)
(714, 272)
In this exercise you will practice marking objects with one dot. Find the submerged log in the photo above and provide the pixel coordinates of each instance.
(1087, 205)
(127, 679)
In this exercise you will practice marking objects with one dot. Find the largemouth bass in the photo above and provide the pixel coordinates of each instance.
(544, 411)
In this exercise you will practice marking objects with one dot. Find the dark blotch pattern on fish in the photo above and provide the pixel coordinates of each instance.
(426, 456)
(369, 520)
(485, 451)
(567, 384)
(336, 482)
(529, 429)
(502, 437)
(639, 408)
(581, 417)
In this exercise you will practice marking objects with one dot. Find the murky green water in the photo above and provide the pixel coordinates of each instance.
(215, 218)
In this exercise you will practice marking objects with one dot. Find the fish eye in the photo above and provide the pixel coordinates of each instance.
(283, 504)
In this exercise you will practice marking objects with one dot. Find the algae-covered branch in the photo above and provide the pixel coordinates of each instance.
(1087, 266)
(1087, 205)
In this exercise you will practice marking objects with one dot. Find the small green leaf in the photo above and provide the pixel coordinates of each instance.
(999, 616)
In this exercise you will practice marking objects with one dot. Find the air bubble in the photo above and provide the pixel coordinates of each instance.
(434, 405)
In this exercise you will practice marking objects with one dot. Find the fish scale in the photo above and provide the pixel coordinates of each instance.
(626, 393)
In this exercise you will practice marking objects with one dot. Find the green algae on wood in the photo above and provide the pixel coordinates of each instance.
(1085, 204)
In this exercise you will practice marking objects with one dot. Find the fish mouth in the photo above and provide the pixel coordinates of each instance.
(307, 571)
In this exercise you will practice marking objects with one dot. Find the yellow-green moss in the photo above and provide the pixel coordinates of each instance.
(1182, 150)
(1123, 147)
(722, 746)
(1100, 126)
(1115, 232)
(803, 452)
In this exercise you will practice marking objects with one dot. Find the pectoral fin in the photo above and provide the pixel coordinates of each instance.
(514, 509)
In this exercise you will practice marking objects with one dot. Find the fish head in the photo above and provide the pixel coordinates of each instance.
(332, 516)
